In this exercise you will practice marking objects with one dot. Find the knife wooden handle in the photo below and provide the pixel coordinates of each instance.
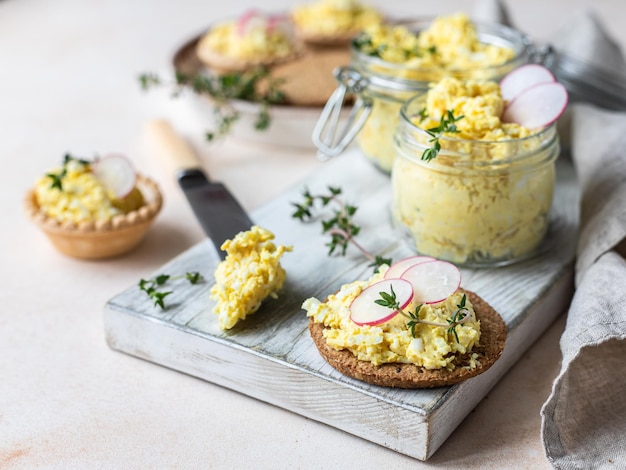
(170, 147)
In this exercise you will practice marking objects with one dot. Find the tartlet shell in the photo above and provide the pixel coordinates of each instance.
(102, 239)
(493, 337)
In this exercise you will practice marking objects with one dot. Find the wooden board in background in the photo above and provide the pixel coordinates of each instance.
(270, 355)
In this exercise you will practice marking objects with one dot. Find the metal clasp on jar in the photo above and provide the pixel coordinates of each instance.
(543, 55)
(326, 137)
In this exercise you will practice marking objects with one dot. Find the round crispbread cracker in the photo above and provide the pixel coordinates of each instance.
(400, 375)
(341, 38)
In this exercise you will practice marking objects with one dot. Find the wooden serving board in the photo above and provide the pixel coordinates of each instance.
(270, 355)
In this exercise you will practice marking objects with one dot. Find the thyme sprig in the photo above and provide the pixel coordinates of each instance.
(57, 178)
(151, 286)
(447, 125)
(459, 317)
(340, 226)
(255, 85)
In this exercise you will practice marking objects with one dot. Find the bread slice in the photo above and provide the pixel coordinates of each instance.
(400, 375)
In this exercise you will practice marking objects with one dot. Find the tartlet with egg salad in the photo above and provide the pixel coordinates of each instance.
(333, 22)
(92, 214)
(255, 39)
(396, 353)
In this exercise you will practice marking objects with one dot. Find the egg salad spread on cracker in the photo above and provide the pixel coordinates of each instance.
(253, 39)
(431, 347)
(250, 273)
(410, 325)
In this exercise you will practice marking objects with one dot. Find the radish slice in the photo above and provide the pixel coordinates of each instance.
(116, 173)
(538, 106)
(277, 22)
(243, 21)
(250, 20)
(365, 311)
(397, 269)
(433, 281)
(523, 78)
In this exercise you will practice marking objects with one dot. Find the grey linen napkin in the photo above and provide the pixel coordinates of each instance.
(584, 418)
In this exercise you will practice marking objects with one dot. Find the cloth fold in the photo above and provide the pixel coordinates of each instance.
(584, 418)
(599, 153)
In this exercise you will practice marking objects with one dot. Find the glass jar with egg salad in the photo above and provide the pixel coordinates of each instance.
(392, 63)
(485, 199)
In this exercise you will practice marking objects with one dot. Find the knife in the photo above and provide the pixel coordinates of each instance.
(219, 213)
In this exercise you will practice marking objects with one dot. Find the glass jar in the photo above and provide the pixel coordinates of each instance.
(478, 203)
(381, 88)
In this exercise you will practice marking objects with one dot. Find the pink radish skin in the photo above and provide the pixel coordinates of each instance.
(433, 281)
(276, 22)
(365, 311)
(397, 269)
(116, 173)
(242, 24)
(523, 78)
(538, 106)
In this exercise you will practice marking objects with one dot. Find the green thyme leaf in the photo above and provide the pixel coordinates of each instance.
(255, 85)
(150, 286)
(447, 125)
(340, 226)
(389, 300)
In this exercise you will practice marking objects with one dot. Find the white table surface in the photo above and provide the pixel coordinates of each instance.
(68, 84)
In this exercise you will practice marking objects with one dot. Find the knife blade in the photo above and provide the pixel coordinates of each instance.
(218, 212)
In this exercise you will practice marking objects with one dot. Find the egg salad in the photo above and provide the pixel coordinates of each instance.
(450, 42)
(486, 198)
(481, 105)
(254, 38)
(431, 347)
(250, 273)
(72, 193)
(334, 17)
(409, 61)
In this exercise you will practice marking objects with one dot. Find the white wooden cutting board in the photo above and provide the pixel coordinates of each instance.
(271, 357)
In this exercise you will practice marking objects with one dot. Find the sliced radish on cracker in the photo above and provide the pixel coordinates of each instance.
(433, 281)
(523, 78)
(116, 173)
(397, 269)
(365, 311)
(538, 106)
(250, 20)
